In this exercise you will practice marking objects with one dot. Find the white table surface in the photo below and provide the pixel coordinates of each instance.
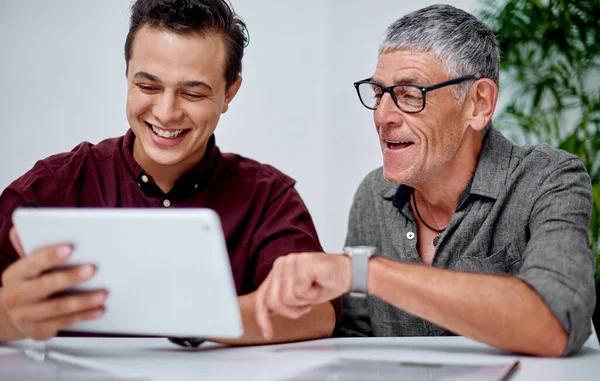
(158, 359)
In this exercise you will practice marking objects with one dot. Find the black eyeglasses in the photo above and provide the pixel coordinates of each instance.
(408, 98)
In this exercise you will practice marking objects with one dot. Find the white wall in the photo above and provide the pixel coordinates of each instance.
(62, 82)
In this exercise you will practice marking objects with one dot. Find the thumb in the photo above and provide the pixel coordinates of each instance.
(16, 242)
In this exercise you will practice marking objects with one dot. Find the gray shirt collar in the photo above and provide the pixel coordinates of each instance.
(492, 169)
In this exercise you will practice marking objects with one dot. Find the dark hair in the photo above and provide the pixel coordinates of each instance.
(201, 17)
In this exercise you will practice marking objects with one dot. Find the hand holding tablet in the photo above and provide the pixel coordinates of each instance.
(31, 291)
(166, 272)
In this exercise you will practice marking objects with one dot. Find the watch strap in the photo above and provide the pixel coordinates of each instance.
(360, 273)
(359, 256)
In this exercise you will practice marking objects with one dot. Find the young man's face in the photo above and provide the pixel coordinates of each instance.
(176, 95)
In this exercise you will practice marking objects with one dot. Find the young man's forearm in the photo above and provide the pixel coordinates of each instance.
(504, 312)
(318, 323)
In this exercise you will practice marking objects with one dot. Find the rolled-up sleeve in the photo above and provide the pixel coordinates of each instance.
(37, 187)
(557, 262)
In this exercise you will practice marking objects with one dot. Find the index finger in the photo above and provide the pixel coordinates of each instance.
(16, 242)
(262, 312)
(32, 266)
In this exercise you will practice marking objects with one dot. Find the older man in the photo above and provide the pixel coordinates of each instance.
(473, 235)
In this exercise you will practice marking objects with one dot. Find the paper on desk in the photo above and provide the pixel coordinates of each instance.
(377, 370)
(33, 364)
(16, 366)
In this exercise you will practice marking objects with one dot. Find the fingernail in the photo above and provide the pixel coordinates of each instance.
(97, 314)
(86, 271)
(266, 335)
(99, 298)
(63, 252)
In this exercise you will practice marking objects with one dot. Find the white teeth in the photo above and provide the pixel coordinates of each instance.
(167, 134)
(390, 142)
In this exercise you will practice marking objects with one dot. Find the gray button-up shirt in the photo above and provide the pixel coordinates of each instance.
(525, 213)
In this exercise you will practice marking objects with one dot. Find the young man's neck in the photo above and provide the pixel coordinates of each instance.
(164, 176)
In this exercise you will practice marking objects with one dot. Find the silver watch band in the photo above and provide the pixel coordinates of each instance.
(360, 268)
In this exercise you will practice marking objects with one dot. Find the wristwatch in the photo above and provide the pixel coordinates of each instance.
(360, 268)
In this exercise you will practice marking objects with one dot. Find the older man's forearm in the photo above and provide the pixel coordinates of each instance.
(317, 324)
(501, 311)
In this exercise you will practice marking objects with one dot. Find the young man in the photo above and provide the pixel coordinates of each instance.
(183, 70)
(473, 235)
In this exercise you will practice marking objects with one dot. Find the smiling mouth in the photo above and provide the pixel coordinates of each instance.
(397, 145)
(166, 134)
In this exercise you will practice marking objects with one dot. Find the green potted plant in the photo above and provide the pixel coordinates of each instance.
(551, 80)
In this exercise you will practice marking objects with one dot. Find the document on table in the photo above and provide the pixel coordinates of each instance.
(379, 370)
(18, 365)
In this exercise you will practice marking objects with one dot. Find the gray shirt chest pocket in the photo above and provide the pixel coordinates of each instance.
(504, 261)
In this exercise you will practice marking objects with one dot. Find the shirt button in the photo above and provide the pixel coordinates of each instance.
(166, 203)
(145, 178)
(410, 235)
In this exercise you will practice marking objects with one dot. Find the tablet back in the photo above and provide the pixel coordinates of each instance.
(167, 271)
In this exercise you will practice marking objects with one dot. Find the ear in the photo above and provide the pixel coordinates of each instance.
(231, 92)
(480, 103)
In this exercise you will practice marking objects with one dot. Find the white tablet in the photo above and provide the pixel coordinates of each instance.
(167, 271)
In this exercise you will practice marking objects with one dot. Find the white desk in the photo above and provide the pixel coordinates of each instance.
(157, 359)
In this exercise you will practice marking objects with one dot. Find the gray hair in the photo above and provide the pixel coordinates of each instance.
(463, 44)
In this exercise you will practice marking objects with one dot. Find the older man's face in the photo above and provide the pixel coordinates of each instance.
(417, 147)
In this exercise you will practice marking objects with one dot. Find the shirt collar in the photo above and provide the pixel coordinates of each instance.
(402, 194)
(492, 169)
(490, 175)
(197, 175)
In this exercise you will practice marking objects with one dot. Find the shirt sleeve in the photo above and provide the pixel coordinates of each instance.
(287, 227)
(37, 187)
(557, 262)
(356, 321)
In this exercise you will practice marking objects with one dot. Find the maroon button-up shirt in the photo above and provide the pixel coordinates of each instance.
(262, 215)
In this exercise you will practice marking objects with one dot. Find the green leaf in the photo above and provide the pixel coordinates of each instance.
(551, 53)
